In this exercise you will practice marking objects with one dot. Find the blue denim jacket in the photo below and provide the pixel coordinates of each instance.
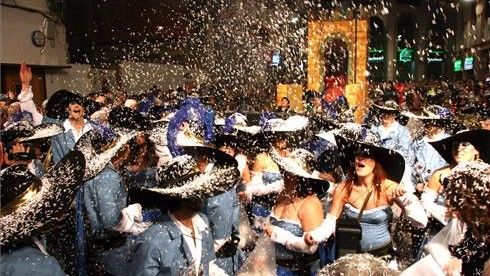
(104, 198)
(426, 160)
(162, 250)
(28, 261)
(223, 212)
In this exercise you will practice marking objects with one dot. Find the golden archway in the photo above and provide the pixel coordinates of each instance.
(321, 31)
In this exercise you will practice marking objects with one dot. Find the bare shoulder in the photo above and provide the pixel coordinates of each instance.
(434, 180)
(389, 184)
(442, 171)
(311, 213)
(262, 157)
(340, 190)
(313, 201)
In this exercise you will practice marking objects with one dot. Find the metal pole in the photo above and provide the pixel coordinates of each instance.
(355, 44)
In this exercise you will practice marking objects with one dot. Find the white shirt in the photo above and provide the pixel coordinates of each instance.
(194, 244)
(384, 132)
(26, 104)
(77, 134)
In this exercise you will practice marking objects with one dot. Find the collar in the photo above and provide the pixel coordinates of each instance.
(67, 125)
(389, 129)
(197, 221)
(439, 136)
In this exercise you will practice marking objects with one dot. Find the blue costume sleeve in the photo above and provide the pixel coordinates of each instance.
(145, 260)
(104, 198)
(29, 261)
(219, 210)
(60, 146)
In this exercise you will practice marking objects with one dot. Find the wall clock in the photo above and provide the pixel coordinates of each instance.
(38, 38)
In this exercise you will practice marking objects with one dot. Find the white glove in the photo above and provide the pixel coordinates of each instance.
(265, 189)
(256, 178)
(291, 241)
(432, 209)
(215, 270)
(413, 209)
(129, 217)
(325, 230)
(257, 187)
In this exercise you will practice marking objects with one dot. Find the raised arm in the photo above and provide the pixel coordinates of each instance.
(25, 97)
(429, 196)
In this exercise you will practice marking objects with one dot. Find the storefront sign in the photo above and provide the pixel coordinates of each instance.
(435, 55)
(376, 55)
(468, 63)
(457, 65)
(405, 55)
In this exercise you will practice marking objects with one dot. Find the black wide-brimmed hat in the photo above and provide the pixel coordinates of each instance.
(40, 204)
(59, 101)
(99, 149)
(128, 118)
(181, 179)
(355, 139)
(387, 107)
(295, 129)
(479, 138)
(234, 131)
(16, 131)
(433, 114)
(15, 180)
(24, 132)
(325, 122)
(232, 140)
(300, 163)
(43, 131)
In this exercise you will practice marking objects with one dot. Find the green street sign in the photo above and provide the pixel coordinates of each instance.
(405, 55)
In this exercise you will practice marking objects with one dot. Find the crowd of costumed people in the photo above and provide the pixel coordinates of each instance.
(180, 183)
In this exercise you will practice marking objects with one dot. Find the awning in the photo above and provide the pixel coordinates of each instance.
(37, 66)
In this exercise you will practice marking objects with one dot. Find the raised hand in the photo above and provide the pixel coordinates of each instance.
(25, 75)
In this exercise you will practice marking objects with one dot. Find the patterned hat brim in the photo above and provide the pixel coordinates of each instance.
(43, 208)
(479, 138)
(392, 162)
